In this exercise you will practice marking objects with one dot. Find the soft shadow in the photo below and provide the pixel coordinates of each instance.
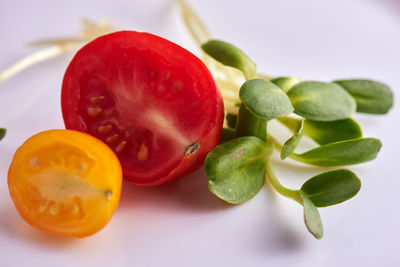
(15, 228)
(278, 236)
(188, 193)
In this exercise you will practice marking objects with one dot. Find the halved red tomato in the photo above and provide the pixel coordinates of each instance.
(153, 102)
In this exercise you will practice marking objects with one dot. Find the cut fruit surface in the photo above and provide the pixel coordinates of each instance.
(65, 182)
(148, 99)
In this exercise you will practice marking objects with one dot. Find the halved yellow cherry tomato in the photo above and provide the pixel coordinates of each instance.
(65, 182)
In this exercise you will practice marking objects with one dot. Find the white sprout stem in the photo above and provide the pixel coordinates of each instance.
(193, 23)
(284, 191)
(35, 58)
(229, 98)
(58, 46)
(58, 42)
(231, 108)
(228, 85)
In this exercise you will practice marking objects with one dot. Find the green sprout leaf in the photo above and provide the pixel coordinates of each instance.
(236, 169)
(325, 132)
(341, 153)
(231, 120)
(321, 101)
(232, 56)
(264, 99)
(371, 96)
(312, 219)
(2, 133)
(332, 187)
(227, 135)
(291, 144)
(285, 83)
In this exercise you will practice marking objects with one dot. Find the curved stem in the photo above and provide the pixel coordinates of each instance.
(35, 58)
(231, 108)
(58, 46)
(194, 24)
(275, 143)
(284, 191)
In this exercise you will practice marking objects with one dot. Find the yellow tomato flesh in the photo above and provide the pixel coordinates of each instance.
(65, 182)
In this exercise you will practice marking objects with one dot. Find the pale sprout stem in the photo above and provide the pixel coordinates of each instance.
(228, 89)
(194, 24)
(228, 97)
(275, 143)
(90, 31)
(284, 191)
(34, 59)
(228, 79)
(59, 42)
(233, 102)
(228, 86)
(221, 76)
(231, 108)
(228, 94)
(229, 73)
(199, 32)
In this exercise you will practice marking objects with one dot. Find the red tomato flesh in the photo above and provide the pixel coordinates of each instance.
(153, 102)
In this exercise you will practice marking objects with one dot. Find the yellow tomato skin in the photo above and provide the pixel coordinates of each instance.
(65, 182)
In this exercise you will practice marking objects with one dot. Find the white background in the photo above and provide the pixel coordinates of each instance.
(182, 223)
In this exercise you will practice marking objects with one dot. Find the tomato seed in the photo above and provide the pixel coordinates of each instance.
(104, 129)
(94, 111)
(34, 163)
(177, 86)
(54, 209)
(121, 147)
(113, 138)
(42, 207)
(74, 209)
(97, 99)
(143, 153)
(77, 207)
(109, 194)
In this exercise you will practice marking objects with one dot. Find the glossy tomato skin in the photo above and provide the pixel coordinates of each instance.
(65, 182)
(151, 101)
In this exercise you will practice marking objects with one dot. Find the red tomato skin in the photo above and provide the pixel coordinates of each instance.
(210, 131)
